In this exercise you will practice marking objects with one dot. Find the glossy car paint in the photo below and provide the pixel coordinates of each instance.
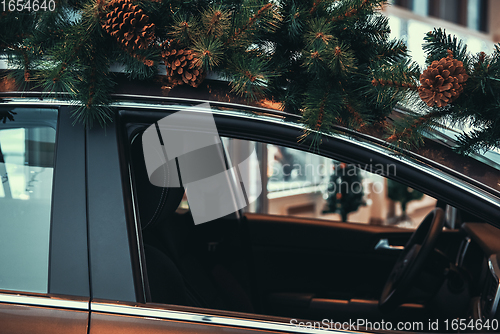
(43, 315)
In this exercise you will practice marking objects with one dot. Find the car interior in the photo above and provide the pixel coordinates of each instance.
(314, 269)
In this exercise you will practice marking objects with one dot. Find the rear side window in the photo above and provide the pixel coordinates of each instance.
(27, 143)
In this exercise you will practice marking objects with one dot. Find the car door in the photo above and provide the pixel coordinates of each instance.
(44, 285)
(120, 299)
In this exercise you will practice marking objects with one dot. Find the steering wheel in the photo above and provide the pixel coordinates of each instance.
(411, 260)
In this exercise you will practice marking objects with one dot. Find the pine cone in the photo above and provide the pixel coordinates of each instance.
(442, 82)
(180, 65)
(128, 24)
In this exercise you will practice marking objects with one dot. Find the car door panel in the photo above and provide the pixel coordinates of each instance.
(306, 264)
(42, 320)
(126, 324)
(313, 264)
(124, 318)
(39, 313)
(331, 256)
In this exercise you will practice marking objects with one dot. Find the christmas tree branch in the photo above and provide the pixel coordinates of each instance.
(354, 115)
(216, 21)
(251, 21)
(26, 62)
(353, 11)
(417, 125)
(314, 6)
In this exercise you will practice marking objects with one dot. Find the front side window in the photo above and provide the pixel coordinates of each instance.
(26, 170)
(304, 184)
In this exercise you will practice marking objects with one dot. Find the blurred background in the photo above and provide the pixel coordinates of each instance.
(473, 21)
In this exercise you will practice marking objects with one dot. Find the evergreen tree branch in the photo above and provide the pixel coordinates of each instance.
(411, 135)
(208, 53)
(251, 21)
(355, 8)
(314, 6)
(438, 43)
(216, 21)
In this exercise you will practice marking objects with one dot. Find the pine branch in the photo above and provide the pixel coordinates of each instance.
(319, 34)
(93, 85)
(95, 91)
(391, 52)
(478, 141)
(64, 58)
(393, 84)
(411, 135)
(293, 19)
(249, 77)
(216, 21)
(140, 65)
(251, 21)
(315, 62)
(438, 43)
(331, 61)
(355, 116)
(184, 29)
(314, 6)
(342, 60)
(322, 107)
(355, 8)
(26, 62)
(208, 53)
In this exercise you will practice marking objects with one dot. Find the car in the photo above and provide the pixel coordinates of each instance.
(90, 244)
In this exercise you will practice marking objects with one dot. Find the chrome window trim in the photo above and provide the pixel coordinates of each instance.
(201, 318)
(44, 301)
(495, 271)
(137, 230)
(34, 97)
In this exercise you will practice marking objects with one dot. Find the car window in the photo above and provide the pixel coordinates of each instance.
(303, 184)
(26, 169)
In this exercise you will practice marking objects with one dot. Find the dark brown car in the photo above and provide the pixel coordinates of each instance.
(89, 245)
